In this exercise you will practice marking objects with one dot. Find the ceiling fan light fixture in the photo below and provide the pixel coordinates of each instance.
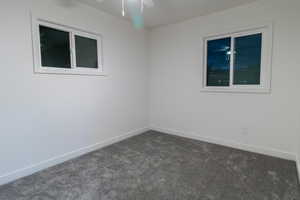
(142, 6)
(135, 9)
(123, 8)
(125, 5)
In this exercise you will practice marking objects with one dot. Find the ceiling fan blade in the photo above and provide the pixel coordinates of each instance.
(149, 3)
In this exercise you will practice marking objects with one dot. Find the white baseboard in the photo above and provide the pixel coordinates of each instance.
(9, 177)
(232, 144)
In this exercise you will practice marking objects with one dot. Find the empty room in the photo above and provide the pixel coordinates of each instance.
(150, 100)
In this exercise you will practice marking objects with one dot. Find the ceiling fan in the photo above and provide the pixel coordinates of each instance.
(135, 9)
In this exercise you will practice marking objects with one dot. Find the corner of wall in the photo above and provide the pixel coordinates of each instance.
(232, 144)
(298, 166)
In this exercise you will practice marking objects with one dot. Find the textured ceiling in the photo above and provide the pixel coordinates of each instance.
(170, 11)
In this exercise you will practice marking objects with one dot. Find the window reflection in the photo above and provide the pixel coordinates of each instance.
(218, 62)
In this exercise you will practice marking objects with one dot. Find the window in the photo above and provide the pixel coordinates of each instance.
(55, 48)
(61, 49)
(86, 52)
(238, 62)
(218, 62)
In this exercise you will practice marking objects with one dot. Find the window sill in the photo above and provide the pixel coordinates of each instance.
(59, 71)
(237, 90)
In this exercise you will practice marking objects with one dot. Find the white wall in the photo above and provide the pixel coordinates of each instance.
(267, 123)
(45, 116)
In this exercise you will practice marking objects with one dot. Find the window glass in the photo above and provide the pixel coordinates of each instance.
(86, 52)
(218, 62)
(55, 48)
(247, 60)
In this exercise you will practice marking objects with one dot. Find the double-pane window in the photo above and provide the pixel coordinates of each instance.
(62, 49)
(238, 61)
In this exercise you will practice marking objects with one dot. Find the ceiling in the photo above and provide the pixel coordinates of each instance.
(170, 11)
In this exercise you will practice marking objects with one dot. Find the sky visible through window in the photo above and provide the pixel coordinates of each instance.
(218, 62)
(247, 60)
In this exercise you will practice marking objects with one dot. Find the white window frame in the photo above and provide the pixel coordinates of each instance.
(266, 61)
(74, 70)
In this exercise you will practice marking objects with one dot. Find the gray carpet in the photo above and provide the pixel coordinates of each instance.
(156, 166)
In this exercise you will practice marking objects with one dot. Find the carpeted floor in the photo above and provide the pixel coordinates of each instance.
(155, 166)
